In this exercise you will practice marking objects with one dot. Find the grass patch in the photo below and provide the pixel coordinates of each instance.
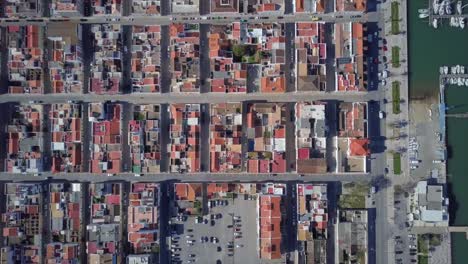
(396, 57)
(435, 240)
(397, 163)
(354, 195)
(422, 245)
(396, 97)
(395, 18)
(423, 259)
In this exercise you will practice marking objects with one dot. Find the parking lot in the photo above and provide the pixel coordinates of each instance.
(219, 236)
(405, 242)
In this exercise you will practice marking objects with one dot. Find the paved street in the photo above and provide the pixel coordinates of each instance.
(192, 177)
(377, 128)
(385, 244)
(208, 19)
(194, 98)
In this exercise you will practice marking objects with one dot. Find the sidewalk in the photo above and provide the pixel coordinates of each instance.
(397, 138)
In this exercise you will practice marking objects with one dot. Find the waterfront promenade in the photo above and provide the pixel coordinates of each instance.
(385, 218)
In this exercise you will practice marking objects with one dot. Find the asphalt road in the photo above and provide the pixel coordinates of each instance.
(290, 138)
(204, 59)
(195, 18)
(47, 138)
(290, 34)
(205, 137)
(192, 177)
(127, 115)
(165, 74)
(193, 98)
(3, 59)
(85, 137)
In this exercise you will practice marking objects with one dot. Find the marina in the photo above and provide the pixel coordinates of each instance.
(440, 10)
(429, 49)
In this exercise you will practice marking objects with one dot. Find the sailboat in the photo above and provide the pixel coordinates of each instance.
(448, 8)
(435, 6)
(461, 20)
(462, 69)
(434, 23)
(423, 15)
(442, 9)
(445, 69)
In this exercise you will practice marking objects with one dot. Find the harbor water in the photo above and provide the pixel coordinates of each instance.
(429, 49)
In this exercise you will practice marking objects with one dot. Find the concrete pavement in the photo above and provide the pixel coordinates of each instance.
(385, 242)
(193, 177)
(194, 98)
(195, 18)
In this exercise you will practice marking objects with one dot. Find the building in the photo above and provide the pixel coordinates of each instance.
(106, 7)
(146, 7)
(312, 221)
(67, 147)
(143, 219)
(311, 56)
(226, 137)
(263, 7)
(104, 231)
(146, 59)
(106, 69)
(228, 70)
(24, 143)
(184, 138)
(352, 238)
(188, 199)
(58, 253)
(21, 223)
(352, 141)
(309, 6)
(185, 6)
(144, 139)
(103, 244)
(67, 8)
(429, 203)
(224, 6)
(25, 60)
(65, 212)
(270, 220)
(349, 53)
(219, 190)
(264, 45)
(184, 52)
(266, 138)
(350, 5)
(311, 138)
(22, 8)
(65, 59)
(140, 259)
(106, 129)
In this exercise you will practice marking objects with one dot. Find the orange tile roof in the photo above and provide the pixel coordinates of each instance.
(270, 227)
(359, 147)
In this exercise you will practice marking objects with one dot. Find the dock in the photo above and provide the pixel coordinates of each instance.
(442, 106)
(460, 115)
(440, 230)
(459, 229)
(454, 14)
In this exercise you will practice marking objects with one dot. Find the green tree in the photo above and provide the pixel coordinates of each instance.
(238, 50)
